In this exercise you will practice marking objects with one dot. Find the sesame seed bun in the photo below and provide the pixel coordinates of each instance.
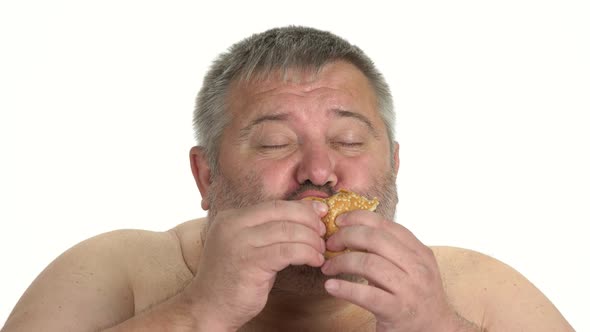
(341, 202)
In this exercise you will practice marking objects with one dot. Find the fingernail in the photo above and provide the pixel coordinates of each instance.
(331, 285)
(320, 207)
(338, 220)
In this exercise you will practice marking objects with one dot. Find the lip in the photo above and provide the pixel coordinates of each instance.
(313, 193)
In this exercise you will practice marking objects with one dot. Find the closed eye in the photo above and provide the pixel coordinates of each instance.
(274, 147)
(350, 144)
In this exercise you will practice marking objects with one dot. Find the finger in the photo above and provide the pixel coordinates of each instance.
(376, 269)
(371, 219)
(278, 256)
(307, 213)
(363, 238)
(284, 231)
(373, 299)
(361, 217)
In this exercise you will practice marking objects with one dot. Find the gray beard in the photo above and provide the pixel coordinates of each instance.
(295, 279)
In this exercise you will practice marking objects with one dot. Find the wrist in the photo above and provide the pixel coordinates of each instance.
(202, 316)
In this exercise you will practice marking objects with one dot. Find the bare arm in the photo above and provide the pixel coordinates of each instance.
(138, 280)
(174, 314)
(515, 304)
(496, 297)
(91, 287)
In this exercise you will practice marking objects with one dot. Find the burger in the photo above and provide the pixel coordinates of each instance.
(343, 201)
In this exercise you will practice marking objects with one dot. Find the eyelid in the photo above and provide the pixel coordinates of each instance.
(272, 140)
(350, 137)
(348, 145)
(277, 146)
(352, 143)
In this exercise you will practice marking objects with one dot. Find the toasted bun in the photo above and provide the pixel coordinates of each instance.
(341, 202)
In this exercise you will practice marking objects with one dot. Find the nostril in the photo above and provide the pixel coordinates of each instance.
(317, 167)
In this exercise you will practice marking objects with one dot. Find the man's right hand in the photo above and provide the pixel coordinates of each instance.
(243, 251)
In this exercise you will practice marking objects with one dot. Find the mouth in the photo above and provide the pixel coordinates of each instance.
(309, 189)
(312, 193)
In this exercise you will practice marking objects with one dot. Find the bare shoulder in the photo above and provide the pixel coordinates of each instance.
(101, 281)
(493, 295)
(190, 236)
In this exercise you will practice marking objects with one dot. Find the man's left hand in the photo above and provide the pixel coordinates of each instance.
(405, 290)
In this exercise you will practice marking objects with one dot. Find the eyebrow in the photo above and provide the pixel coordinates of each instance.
(284, 116)
(263, 118)
(349, 114)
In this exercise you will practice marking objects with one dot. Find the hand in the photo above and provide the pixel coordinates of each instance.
(243, 251)
(405, 291)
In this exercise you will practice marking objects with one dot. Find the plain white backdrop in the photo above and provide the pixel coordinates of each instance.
(492, 103)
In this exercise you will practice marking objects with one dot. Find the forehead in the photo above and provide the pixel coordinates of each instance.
(336, 85)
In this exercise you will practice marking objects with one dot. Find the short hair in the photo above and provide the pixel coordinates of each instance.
(284, 48)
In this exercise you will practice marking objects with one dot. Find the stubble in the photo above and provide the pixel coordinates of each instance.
(295, 279)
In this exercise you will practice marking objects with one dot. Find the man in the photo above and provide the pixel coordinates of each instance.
(284, 115)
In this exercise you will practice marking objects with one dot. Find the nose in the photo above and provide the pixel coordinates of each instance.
(317, 165)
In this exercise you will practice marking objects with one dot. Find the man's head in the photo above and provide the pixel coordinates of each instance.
(287, 114)
(284, 50)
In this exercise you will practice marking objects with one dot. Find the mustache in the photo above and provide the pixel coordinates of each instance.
(308, 185)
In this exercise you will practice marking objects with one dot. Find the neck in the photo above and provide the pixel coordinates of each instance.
(296, 312)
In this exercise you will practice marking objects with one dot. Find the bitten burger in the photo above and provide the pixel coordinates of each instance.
(342, 202)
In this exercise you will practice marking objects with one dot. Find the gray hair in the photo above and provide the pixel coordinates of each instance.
(276, 49)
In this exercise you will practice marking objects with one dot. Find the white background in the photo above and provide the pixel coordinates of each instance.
(492, 101)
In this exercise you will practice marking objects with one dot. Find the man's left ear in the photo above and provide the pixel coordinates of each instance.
(201, 173)
(395, 157)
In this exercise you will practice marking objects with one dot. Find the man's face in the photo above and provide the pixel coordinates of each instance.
(318, 130)
(310, 137)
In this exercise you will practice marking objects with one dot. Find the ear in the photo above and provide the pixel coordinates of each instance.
(395, 157)
(201, 173)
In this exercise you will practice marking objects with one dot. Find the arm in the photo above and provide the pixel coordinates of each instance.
(174, 314)
(140, 279)
(90, 287)
(515, 304)
(494, 295)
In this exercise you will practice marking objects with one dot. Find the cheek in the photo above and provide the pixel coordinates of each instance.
(360, 172)
(353, 173)
(277, 176)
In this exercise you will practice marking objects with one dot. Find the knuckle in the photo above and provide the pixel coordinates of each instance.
(373, 265)
(373, 236)
(390, 278)
(286, 230)
(429, 253)
(366, 262)
(369, 295)
(423, 271)
(285, 251)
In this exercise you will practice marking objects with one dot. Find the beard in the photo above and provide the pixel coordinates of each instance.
(295, 279)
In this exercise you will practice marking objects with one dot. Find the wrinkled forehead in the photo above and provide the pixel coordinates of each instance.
(339, 84)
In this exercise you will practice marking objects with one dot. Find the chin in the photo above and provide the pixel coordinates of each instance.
(306, 280)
